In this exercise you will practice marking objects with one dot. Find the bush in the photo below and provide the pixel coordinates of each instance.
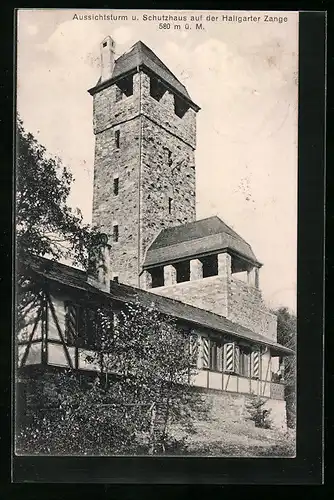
(259, 415)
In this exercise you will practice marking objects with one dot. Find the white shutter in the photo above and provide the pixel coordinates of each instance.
(255, 364)
(236, 358)
(205, 352)
(229, 357)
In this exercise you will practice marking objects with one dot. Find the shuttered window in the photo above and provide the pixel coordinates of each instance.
(229, 357)
(212, 354)
(244, 361)
(193, 349)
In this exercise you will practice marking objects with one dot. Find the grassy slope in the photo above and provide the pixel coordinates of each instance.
(240, 439)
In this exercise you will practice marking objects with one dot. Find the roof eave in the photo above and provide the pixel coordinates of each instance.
(91, 290)
(142, 66)
(156, 263)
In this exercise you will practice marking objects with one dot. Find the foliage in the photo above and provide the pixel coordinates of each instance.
(287, 336)
(69, 416)
(45, 224)
(257, 413)
(141, 392)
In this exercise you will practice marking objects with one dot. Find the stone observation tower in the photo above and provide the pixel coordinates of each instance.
(145, 195)
(144, 169)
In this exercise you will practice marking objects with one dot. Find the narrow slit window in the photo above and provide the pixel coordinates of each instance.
(170, 205)
(104, 44)
(117, 137)
(115, 233)
(169, 158)
(116, 186)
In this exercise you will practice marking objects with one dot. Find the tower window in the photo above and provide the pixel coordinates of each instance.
(116, 186)
(157, 275)
(117, 137)
(169, 158)
(115, 232)
(124, 88)
(210, 266)
(180, 106)
(157, 88)
(182, 271)
(170, 205)
(104, 44)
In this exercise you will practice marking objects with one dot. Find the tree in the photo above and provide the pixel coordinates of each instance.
(142, 400)
(287, 336)
(45, 224)
(257, 413)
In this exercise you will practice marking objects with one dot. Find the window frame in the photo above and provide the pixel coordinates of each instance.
(117, 138)
(115, 233)
(116, 186)
(170, 205)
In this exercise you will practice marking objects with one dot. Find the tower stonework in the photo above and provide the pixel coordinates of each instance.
(144, 165)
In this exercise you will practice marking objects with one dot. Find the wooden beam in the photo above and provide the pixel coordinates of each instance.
(26, 352)
(55, 319)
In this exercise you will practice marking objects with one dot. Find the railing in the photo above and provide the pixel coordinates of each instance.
(276, 390)
(235, 383)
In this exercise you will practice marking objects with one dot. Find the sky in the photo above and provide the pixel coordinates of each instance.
(244, 76)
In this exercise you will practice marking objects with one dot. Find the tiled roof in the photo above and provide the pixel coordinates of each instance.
(140, 55)
(196, 238)
(62, 275)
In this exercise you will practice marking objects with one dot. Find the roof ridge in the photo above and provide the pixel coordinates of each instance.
(160, 60)
(234, 231)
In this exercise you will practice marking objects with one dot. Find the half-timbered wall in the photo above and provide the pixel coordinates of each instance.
(44, 340)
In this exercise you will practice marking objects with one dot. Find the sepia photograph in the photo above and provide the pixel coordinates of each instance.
(156, 233)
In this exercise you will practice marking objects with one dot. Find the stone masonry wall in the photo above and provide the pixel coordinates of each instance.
(232, 408)
(210, 293)
(161, 179)
(122, 209)
(246, 307)
(148, 129)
